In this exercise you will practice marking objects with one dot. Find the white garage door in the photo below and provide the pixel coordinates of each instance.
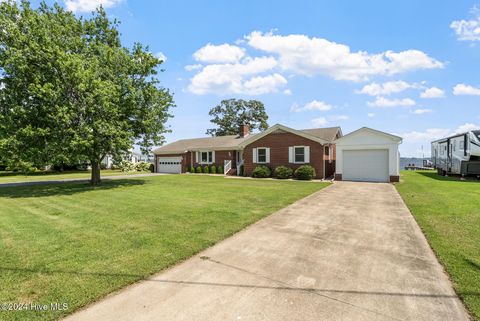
(369, 165)
(169, 165)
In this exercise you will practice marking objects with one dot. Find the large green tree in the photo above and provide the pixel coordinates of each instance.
(71, 92)
(232, 113)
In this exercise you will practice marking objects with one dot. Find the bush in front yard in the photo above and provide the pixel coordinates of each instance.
(220, 169)
(199, 169)
(126, 166)
(283, 172)
(142, 167)
(305, 172)
(261, 171)
(213, 169)
(192, 169)
(206, 170)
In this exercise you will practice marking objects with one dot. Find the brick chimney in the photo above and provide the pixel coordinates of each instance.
(244, 130)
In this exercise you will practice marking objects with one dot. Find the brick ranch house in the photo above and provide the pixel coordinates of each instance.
(278, 145)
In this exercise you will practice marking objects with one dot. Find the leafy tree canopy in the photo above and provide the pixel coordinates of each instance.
(232, 113)
(69, 91)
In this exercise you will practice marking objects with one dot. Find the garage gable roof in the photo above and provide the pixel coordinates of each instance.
(360, 131)
(284, 128)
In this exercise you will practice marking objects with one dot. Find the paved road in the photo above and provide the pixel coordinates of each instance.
(349, 252)
(70, 180)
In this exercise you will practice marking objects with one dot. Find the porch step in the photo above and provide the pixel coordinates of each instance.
(232, 172)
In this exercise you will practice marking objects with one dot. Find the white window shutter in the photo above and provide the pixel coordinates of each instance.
(290, 155)
(307, 154)
(254, 153)
(267, 155)
(213, 156)
(196, 157)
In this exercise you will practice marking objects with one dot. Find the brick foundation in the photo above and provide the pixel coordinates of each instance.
(394, 179)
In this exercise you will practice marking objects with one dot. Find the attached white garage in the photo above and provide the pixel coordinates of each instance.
(368, 155)
(170, 164)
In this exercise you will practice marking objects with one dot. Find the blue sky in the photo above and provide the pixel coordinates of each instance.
(408, 67)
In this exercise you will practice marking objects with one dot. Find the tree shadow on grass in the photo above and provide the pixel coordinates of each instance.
(70, 188)
(454, 178)
(473, 264)
(278, 284)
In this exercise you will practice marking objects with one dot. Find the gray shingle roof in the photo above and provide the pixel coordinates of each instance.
(327, 133)
(231, 141)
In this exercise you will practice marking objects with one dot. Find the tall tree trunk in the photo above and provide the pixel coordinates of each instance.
(95, 179)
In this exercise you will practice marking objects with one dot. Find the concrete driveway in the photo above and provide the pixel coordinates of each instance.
(349, 252)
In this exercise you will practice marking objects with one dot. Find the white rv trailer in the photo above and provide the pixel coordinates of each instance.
(457, 154)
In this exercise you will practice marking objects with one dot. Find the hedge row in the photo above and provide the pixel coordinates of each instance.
(212, 169)
(304, 172)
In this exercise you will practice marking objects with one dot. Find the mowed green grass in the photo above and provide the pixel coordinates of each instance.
(74, 243)
(10, 177)
(448, 211)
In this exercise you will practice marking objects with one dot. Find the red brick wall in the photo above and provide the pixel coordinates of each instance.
(279, 144)
(220, 157)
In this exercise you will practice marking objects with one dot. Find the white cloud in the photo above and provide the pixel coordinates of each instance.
(428, 135)
(89, 5)
(321, 121)
(311, 56)
(385, 102)
(287, 92)
(462, 89)
(468, 30)
(313, 105)
(371, 115)
(414, 141)
(421, 111)
(219, 54)
(387, 88)
(224, 67)
(466, 128)
(432, 92)
(193, 67)
(338, 117)
(160, 55)
(238, 78)
(263, 84)
(432, 134)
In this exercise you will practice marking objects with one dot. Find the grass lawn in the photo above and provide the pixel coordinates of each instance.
(74, 243)
(10, 177)
(448, 211)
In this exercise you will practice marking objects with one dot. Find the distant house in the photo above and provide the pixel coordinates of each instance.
(132, 157)
(278, 145)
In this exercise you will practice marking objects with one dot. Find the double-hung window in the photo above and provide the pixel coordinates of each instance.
(299, 154)
(261, 155)
(206, 157)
